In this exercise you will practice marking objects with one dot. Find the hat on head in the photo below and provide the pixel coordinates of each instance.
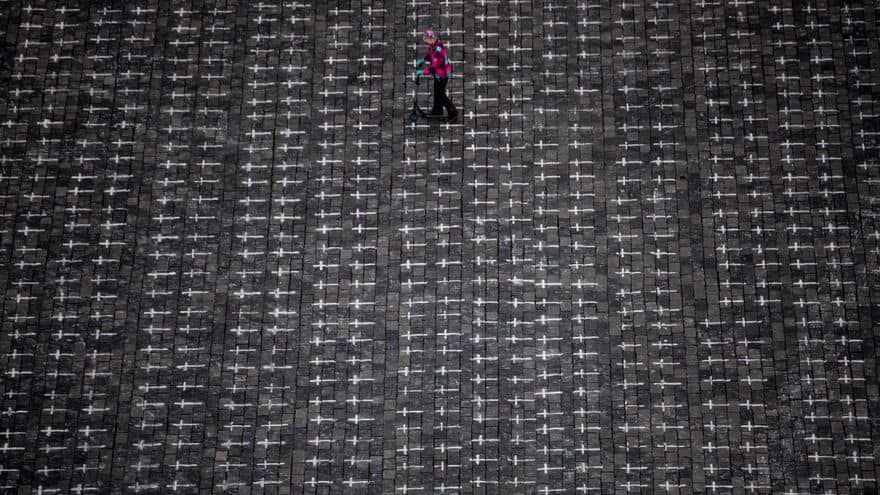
(430, 36)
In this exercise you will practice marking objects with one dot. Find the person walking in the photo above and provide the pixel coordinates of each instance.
(436, 63)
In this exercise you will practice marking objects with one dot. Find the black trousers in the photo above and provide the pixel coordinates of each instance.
(442, 101)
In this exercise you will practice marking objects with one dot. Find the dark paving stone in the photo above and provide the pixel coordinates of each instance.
(645, 259)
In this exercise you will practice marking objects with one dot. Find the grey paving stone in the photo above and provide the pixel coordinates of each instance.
(644, 260)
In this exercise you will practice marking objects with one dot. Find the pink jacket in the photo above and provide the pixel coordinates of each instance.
(436, 61)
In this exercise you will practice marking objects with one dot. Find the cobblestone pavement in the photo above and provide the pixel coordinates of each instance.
(645, 259)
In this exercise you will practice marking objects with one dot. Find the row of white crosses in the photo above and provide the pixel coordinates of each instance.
(184, 233)
(645, 257)
(345, 322)
(736, 449)
(506, 370)
(73, 169)
(719, 339)
(808, 252)
(831, 306)
(511, 354)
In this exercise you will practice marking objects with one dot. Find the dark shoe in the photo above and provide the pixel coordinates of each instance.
(452, 118)
(436, 113)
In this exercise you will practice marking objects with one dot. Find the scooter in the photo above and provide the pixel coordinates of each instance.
(416, 113)
(416, 110)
